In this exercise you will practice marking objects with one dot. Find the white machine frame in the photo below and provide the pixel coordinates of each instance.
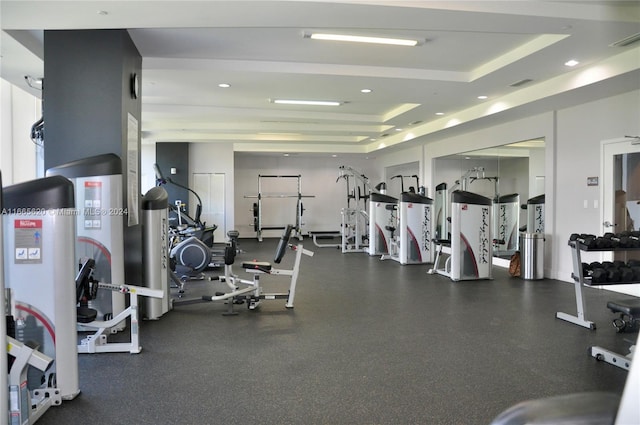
(253, 292)
(355, 221)
(259, 225)
(98, 343)
(25, 406)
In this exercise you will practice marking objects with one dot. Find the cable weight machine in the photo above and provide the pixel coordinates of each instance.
(355, 221)
(257, 208)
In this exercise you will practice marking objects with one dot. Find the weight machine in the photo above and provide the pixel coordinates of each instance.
(411, 243)
(243, 291)
(86, 289)
(470, 255)
(257, 209)
(38, 257)
(355, 221)
(383, 213)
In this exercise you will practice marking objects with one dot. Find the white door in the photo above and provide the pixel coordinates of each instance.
(620, 196)
(210, 188)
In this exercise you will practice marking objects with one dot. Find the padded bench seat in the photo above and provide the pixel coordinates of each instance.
(629, 306)
(262, 266)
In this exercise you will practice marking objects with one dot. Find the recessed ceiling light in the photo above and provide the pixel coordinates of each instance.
(334, 156)
(398, 129)
(307, 102)
(224, 85)
(286, 154)
(439, 113)
(366, 91)
(363, 39)
(483, 97)
(571, 62)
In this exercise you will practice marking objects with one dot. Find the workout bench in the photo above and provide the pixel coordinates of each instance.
(629, 318)
(252, 294)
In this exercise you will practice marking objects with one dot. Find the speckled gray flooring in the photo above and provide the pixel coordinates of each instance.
(369, 342)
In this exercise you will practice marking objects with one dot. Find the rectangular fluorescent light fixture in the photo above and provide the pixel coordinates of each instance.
(363, 39)
(307, 102)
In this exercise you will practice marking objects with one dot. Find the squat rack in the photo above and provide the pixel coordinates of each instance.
(258, 224)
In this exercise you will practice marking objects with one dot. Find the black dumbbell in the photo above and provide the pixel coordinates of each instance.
(599, 276)
(584, 239)
(636, 273)
(626, 274)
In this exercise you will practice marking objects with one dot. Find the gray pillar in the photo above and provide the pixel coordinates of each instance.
(90, 109)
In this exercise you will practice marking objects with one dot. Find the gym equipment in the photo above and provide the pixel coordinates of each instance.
(605, 273)
(258, 225)
(580, 408)
(355, 221)
(411, 243)
(39, 236)
(535, 214)
(440, 212)
(25, 406)
(252, 293)
(470, 256)
(412, 189)
(100, 224)
(187, 226)
(414, 232)
(383, 212)
(86, 288)
(506, 215)
(155, 204)
(571, 409)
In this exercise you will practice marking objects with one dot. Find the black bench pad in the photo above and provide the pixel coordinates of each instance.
(263, 266)
(629, 306)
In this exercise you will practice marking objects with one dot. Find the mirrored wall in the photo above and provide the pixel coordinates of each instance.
(499, 172)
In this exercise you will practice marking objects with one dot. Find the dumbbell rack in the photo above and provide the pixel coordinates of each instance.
(580, 280)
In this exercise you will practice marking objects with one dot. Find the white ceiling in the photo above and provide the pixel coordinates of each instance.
(471, 48)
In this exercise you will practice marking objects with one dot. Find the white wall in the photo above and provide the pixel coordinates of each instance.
(318, 179)
(19, 111)
(579, 132)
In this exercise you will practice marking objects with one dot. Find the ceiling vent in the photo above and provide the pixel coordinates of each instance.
(627, 41)
(521, 82)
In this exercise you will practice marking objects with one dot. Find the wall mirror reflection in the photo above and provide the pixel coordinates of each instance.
(512, 176)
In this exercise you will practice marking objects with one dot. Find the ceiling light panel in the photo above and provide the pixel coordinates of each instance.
(307, 102)
(364, 39)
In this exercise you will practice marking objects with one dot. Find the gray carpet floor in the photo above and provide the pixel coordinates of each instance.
(368, 342)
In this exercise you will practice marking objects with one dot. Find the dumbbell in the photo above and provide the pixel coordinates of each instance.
(622, 240)
(630, 239)
(585, 239)
(636, 273)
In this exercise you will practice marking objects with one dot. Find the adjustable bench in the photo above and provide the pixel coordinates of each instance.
(629, 310)
(252, 292)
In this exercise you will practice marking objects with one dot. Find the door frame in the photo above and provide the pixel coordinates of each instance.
(608, 150)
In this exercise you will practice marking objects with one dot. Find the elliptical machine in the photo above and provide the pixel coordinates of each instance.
(190, 241)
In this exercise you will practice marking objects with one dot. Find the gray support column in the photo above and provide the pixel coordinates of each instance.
(90, 108)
